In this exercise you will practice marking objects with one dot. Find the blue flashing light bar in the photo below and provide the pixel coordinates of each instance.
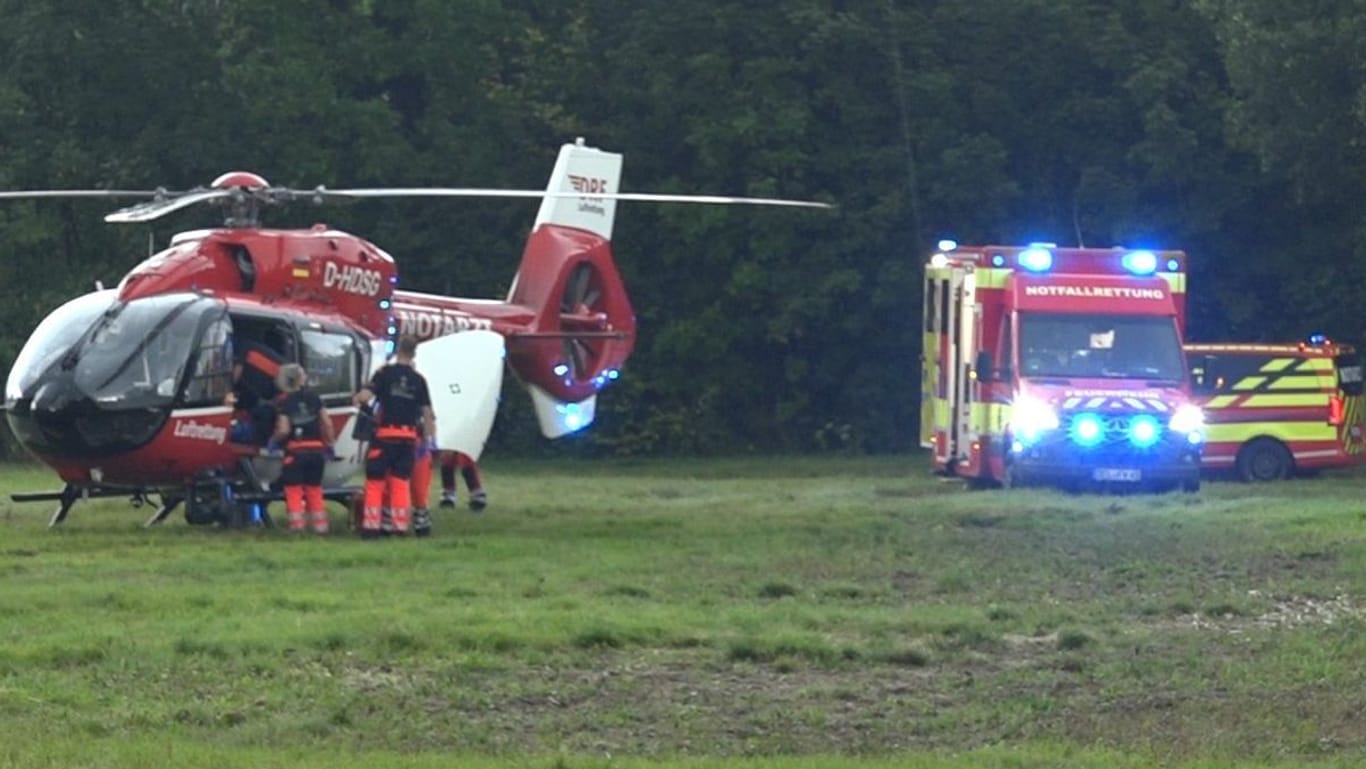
(1035, 259)
(998, 260)
(1173, 265)
(1140, 262)
(947, 244)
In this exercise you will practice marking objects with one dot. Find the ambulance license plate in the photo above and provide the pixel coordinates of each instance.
(1116, 474)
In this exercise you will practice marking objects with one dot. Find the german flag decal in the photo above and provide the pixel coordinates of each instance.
(301, 272)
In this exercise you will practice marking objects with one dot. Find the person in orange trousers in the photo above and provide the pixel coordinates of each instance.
(422, 489)
(304, 430)
(405, 407)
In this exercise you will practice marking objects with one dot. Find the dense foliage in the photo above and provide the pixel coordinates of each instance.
(1230, 129)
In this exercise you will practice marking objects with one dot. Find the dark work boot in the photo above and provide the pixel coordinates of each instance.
(422, 522)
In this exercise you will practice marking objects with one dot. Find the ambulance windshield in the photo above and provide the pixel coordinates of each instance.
(1100, 346)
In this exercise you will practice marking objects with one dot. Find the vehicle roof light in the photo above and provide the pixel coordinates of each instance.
(947, 244)
(1035, 259)
(1140, 262)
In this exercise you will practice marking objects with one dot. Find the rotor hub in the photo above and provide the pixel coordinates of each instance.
(240, 180)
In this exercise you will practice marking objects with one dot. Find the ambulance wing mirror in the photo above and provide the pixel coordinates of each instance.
(983, 366)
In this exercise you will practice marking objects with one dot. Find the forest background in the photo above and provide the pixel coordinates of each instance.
(1235, 131)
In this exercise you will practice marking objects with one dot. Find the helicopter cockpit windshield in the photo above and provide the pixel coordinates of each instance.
(100, 374)
(135, 354)
(53, 337)
(120, 354)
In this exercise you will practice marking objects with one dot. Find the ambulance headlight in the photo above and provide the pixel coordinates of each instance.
(1188, 418)
(1030, 418)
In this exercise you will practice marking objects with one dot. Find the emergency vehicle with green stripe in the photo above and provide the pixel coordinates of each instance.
(1278, 409)
(1059, 366)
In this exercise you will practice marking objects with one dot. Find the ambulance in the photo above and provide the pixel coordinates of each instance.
(1278, 409)
(1058, 366)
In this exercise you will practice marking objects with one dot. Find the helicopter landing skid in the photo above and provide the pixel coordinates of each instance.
(168, 505)
(67, 497)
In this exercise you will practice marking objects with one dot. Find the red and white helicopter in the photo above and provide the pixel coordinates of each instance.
(122, 391)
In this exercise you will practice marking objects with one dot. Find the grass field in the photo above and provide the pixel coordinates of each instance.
(757, 613)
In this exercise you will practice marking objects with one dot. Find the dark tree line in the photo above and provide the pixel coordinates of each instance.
(1233, 130)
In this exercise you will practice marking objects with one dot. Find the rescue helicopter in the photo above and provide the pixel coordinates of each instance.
(123, 391)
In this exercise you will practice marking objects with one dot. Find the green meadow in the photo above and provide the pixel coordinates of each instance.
(757, 612)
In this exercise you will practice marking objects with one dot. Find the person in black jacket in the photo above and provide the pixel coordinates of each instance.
(304, 430)
(254, 390)
(405, 418)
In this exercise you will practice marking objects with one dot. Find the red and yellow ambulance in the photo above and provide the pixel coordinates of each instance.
(1059, 366)
(1277, 409)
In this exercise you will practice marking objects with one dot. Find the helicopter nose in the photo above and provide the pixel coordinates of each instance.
(57, 421)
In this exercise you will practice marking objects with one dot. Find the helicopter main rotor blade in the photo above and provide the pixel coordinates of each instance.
(710, 199)
(21, 194)
(155, 209)
(474, 192)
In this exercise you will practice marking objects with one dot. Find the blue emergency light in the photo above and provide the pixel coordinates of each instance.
(1087, 430)
(1173, 265)
(571, 417)
(1317, 339)
(1035, 259)
(1140, 262)
(1144, 431)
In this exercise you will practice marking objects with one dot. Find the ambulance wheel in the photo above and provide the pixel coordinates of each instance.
(1264, 459)
(1190, 486)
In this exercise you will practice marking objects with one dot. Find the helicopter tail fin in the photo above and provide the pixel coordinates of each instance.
(583, 173)
(584, 327)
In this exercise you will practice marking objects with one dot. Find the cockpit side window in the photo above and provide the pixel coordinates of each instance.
(211, 378)
(331, 360)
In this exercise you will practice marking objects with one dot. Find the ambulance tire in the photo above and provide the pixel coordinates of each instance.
(1190, 486)
(1265, 459)
(980, 484)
